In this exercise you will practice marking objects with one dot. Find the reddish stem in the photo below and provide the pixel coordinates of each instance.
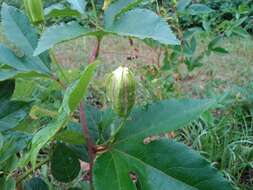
(95, 52)
(90, 144)
(91, 147)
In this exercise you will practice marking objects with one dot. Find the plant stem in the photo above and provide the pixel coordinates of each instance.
(89, 142)
(58, 66)
(95, 11)
(30, 171)
(90, 145)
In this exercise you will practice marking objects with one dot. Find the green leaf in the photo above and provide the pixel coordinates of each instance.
(152, 27)
(6, 74)
(36, 183)
(76, 92)
(162, 117)
(59, 10)
(42, 137)
(7, 89)
(118, 8)
(220, 50)
(196, 9)
(60, 33)
(22, 65)
(7, 183)
(78, 5)
(182, 4)
(72, 134)
(65, 166)
(159, 165)
(240, 32)
(214, 43)
(15, 22)
(11, 112)
(1, 141)
(14, 142)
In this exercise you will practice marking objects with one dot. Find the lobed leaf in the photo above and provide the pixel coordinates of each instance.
(152, 27)
(16, 22)
(60, 33)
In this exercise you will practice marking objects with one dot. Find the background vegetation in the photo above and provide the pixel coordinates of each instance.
(224, 136)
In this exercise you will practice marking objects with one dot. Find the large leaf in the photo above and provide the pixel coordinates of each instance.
(21, 64)
(25, 38)
(152, 27)
(159, 165)
(78, 5)
(42, 137)
(60, 33)
(65, 165)
(76, 92)
(118, 8)
(162, 117)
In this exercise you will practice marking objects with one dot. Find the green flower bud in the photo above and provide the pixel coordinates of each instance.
(121, 90)
(34, 10)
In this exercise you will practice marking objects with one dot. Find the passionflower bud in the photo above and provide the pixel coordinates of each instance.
(121, 91)
(34, 10)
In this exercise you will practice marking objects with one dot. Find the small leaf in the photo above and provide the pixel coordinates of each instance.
(65, 166)
(196, 9)
(182, 4)
(220, 50)
(78, 5)
(59, 10)
(72, 134)
(214, 43)
(60, 33)
(240, 32)
(76, 92)
(152, 27)
(7, 89)
(13, 143)
(11, 112)
(36, 183)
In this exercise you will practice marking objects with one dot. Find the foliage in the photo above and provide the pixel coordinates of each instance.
(128, 148)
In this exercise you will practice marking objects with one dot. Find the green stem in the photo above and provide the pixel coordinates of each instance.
(115, 133)
(58, 66)
(94, 11)
(30, 171)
